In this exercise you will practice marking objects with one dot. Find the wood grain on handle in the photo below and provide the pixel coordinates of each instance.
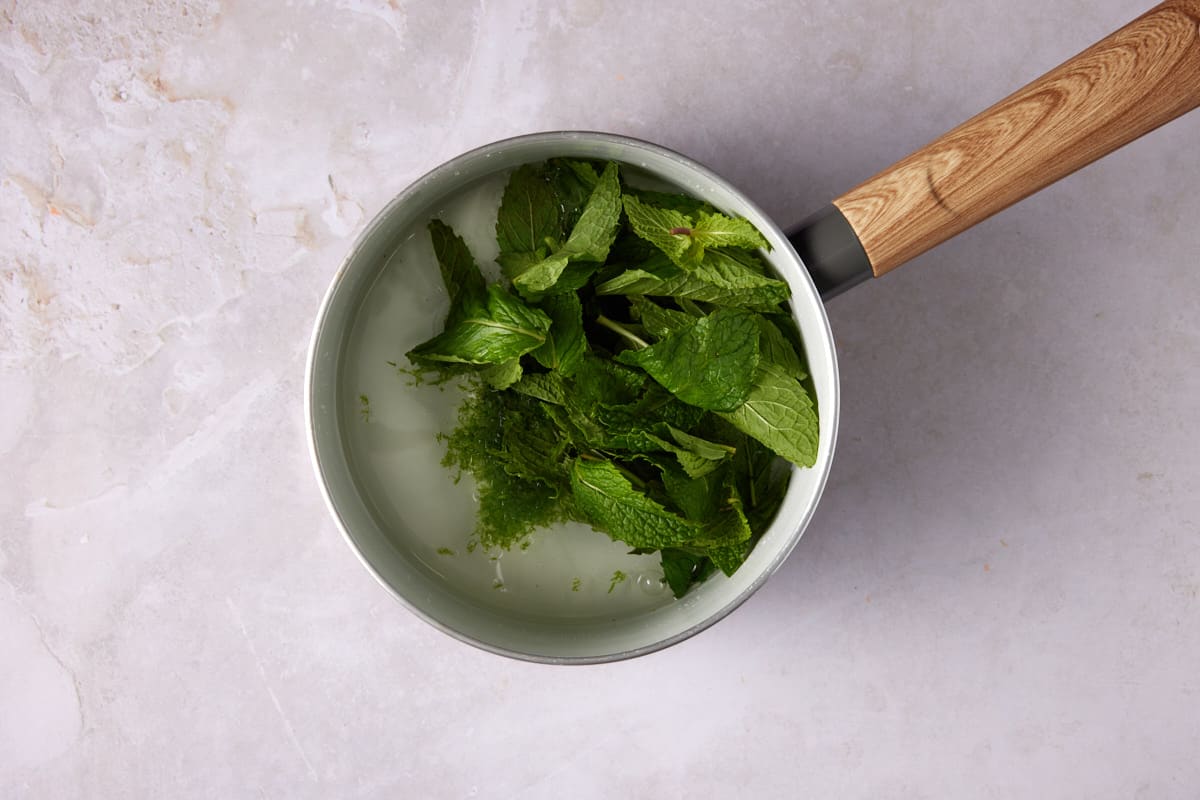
(1142, 76)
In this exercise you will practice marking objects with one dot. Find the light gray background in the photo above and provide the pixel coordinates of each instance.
(999, 596)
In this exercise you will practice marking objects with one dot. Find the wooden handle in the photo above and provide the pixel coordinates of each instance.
(1141, 77)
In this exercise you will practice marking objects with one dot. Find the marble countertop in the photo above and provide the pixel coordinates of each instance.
(999, 595)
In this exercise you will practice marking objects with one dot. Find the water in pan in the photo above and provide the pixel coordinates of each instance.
(567, 571)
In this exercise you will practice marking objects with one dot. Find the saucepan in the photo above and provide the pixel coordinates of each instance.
(373, 433)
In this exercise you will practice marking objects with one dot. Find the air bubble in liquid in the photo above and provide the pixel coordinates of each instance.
(650, 583)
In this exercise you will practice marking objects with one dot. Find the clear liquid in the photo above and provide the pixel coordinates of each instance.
(564, 572)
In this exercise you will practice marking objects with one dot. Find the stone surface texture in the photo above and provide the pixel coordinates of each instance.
(998, 597)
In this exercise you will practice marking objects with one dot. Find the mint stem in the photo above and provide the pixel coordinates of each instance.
(634, 479)
(622, 332)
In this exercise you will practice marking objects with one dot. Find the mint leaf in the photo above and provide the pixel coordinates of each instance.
(778, 350)
(513, 264)
(658, 321)
(461, 276)
(531, 447)
(710, 364)
(729, 289)
(596, 229)
(760, 477)
(672, 230)
(575, 426)
(732, 270)
(598, 381)
(659, 405)
(574, 277)
(710, 451)
(728, 527)
(728, 557)
(698, 498)
(573, 182)
(664, 228)
(541, 275)
(694, 464)
(770, 488)
(503, 375)
(779, 413)
(745, 258)
(718, 230)
(590, 238)
(682, 569)
(529, 212)
(726, 538)
(565, 345)
(608, 501)
(545, 386)
(501, 329)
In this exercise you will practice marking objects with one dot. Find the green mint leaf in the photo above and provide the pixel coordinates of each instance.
(697, 457)
(501, 329)
(778, 350)
(659, 322)
(531, 447)
(584, 171)
(710, 451)
(729, 270)
(764, 295)
(729, 526)
(683, 569)
(727, 536)
(574, 277)
(503, 375)
(575, 426)
(770, 489)
(529, 212)
(566, 344)
(746, 258)
(513, 264)
(460, 274)
(643, 426)
(671, 229)
(710, 364)
(545, 386)
(630, 249)
(699, 498)
(593, 234)
(780, 414)
(693, 464)
(607, 500)
(573, 182)
(718, 230)
(665, 228)
(728, 557)
(760, 476)
(590, 238)
(658, 405)
(541, 275)
(598, 381)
